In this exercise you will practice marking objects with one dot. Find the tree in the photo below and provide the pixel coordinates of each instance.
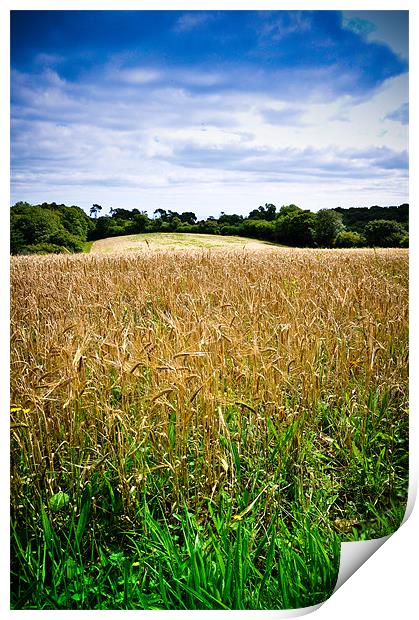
(188, 217)
(404, 241)
(123, 214)
(44, 248)
(267, 213)
(94, 210)
(384, 233)
(260, 229)
(171, 215)
(64, 239)
(75, 221)
(105, 227)
(140, 223)
(296, 228)
(17, 238)
(349, 239)
(328, 226)
(21, 207)
(255, 214)
(39, 225)
(230, 219)
(209, 226)
(161, 213)
(228, 229)
(174, 222)
(270, 212)
(355, 218)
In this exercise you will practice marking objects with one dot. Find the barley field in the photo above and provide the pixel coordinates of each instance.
(200, 429)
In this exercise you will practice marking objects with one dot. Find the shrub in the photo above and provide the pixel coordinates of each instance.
(349, 239)
(328, 225)
(384, 233)
(66, 240)
(404, 241)
(260, 229)
(230, 230)
(43, 248)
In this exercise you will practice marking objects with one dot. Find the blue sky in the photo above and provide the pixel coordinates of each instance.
(209, 111)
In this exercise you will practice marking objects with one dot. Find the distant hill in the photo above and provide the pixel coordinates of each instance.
(175, 241)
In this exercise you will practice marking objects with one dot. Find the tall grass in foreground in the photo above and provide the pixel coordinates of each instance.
(200, 430)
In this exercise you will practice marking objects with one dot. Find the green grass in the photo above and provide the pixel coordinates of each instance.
(175, 241)
(179, 564)
(87, 246)
(195, 239)
(231, 551)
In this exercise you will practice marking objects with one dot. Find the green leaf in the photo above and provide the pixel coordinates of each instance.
(58, 501)
(47, 529)
(84, 514)
(72, 568)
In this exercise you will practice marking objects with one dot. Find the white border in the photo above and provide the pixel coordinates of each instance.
(386, 586)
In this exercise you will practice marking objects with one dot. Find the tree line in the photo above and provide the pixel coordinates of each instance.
(52, 228)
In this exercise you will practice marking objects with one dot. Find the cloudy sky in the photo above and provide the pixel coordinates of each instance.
(209, 111)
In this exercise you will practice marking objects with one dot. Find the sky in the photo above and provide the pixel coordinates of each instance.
(209, 111)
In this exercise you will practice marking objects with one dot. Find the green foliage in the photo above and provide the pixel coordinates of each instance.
(259, 229)
(355, 218)
(271, 542)
(47, 228)
(58, 501)
(75, 221)
(181, 562)
(289, 210)
(186, 228)
(296, 227)
(384, 233)
(139, 224)
(175, 223)
(268, 213)
(349, 239)
(42, 248)
(107, 227)
(230, 230)
(230, 219)
(66, 240)
(44, 228)
(34, 224)
(87, 245)
(187, 217)
(209, 227)
(404, 241)
(327, 226)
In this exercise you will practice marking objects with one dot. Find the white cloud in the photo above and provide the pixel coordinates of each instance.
(190, 21)
(48, 60)
(284, 24)
(190, 77)
(166, 146)
(138, 75)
